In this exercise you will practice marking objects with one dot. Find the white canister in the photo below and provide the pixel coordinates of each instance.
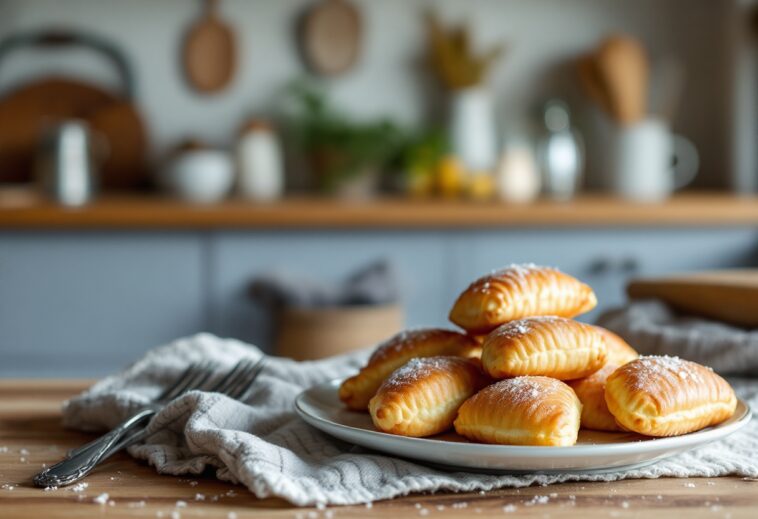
(473, 130)
(518, 177)
(259, 162)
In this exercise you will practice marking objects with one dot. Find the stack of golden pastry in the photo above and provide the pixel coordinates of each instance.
(524, 373)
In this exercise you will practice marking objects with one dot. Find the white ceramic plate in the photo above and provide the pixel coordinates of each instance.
(595, 451)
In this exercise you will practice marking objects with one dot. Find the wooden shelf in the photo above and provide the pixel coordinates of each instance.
(26, 211)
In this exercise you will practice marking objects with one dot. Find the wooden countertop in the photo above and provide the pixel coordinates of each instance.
(22, 210)
(31, 434)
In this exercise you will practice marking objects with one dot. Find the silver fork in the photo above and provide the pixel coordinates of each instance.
(193, 377)
(237, 383)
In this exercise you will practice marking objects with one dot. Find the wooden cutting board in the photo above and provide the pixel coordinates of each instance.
(210, 51)
(730, 296)
(31, 108)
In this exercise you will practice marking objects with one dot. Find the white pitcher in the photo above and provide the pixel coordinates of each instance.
(647, 162)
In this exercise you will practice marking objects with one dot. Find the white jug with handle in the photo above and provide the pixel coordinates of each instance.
(648, 162)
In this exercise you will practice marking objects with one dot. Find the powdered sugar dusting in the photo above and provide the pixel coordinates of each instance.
(515, 273)
(418, 369)
(649, 370)
(514, 391)
(514, 329)
(79, 487)
(102, 499)
(399, 342)
(519, 270)
(521, 327)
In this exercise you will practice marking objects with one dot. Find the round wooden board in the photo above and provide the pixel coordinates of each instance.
(331, 37)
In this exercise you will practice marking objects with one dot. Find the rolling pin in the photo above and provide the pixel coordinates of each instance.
(729, 296)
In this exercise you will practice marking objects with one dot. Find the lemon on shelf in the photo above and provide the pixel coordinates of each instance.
(451, 177)
(481, 186)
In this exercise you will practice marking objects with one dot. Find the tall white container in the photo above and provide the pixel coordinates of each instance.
(473, 130)
(260, 163)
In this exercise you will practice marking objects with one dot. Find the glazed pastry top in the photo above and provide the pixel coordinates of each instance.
(520, 291)
(356, 391)
(550, 346)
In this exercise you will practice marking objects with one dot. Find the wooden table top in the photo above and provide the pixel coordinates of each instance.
(25, 210)
(31, 434)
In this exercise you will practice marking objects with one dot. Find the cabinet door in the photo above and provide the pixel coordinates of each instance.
(605, 258)
(420, 259)
(84, 304)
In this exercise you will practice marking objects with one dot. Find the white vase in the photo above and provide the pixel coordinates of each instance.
(473, 130)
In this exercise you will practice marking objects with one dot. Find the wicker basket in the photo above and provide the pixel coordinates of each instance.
(315, 333)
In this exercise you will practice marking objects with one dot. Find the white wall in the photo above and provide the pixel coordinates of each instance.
(542, 36)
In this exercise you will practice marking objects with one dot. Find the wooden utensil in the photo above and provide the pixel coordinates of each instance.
(622, 68)
(592, 83)
(331, 37)
(730, 296)
(210, 51)
(27, 110)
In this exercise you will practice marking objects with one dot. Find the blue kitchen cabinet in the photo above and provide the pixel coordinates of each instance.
(84, 304)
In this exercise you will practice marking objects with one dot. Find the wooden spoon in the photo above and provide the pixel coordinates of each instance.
(623, 69)
(210, 51)
(592, 84)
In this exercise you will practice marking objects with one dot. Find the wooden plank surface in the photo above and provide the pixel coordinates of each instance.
(23, 210)
(30, 435)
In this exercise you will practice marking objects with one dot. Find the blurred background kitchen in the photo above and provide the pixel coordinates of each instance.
(312, 175)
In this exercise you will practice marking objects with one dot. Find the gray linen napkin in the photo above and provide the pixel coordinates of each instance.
(653, 328)
(263, 445)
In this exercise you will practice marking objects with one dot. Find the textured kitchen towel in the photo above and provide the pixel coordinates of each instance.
(266, 447)
(655, 329)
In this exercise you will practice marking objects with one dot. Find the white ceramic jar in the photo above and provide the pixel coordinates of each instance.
(259, 162)
(518, 178)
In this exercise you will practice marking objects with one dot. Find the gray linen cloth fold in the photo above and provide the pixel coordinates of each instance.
(263, 445)
(653, 328)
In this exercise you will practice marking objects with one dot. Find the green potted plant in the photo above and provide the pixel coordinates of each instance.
(344, 156)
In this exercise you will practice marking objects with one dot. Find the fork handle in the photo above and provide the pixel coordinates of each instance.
(79, 464)
(99, 441)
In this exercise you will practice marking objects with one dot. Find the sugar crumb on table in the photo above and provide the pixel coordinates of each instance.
(102, 499)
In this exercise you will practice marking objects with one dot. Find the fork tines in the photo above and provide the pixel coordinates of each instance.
(194, 377)
(238, 382)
